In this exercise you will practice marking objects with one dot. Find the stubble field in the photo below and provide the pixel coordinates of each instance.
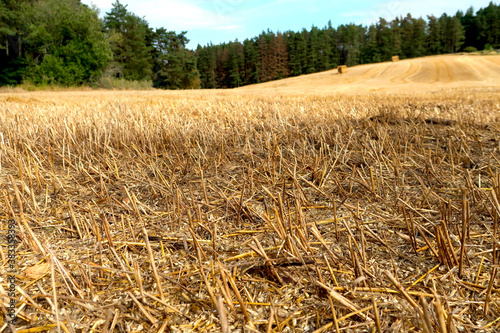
(328, 208)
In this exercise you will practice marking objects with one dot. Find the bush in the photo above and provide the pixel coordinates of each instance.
(112, 78)
(488, 47)
(67, 46)
(470, 49)
(107, 82)
(30, 86)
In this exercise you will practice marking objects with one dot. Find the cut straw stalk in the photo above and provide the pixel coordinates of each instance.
(488, 290)
(222, 315)
(403, 292)
(143, 309)
(464, 232)
(153, 264)
(242, 304)
(54, 291)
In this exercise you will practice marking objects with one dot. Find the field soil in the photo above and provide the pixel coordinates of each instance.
(358, 202)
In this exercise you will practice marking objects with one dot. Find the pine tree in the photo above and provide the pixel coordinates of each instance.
(295, 67)
(313, 51)
(370, 51)
(419, 28)
(396, 37)
(489, 25)
(236, 64)
(301, 43)
(131, 50)
(268, 56)
(384, 39)
(175, 66)
(11, 29)
(252, 61)
(469, 22)
(434, 35)
(282, 57)
(452, 33)
(206, 66)
(333, 46)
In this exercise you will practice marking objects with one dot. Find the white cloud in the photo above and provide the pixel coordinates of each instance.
(175, 15)
(392, 9)
(229, 27)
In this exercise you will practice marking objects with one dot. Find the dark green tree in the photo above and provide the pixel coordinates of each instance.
(66, 42)
(333, 40)
(206, 65)
(452, 33)
(301, 44)
(433, 35)
(252, 61)
(469, 22)
(131, 42)
(488, 22)
(313, 51)
(175, 66)
(236, 64)
(411, 45)
(371, 51)
(385, 40)
(351, 41)
(12, 62)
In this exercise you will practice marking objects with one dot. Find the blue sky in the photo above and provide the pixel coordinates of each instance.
(220, 21)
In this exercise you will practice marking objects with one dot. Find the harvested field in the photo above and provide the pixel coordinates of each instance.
(433, 73)
(241, 211)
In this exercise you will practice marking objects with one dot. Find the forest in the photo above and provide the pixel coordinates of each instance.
(66, 43)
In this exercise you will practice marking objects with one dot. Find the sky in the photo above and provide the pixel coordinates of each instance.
(219, 21)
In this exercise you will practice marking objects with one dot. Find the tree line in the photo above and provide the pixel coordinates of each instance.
(64, 42)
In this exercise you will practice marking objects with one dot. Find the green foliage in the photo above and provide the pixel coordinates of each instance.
(206, 66)
(488, 22)
(67, 43)
(452, 33)
(470, 23)
(433, 36)
(175, 66)
(132, 50)
(470, 49)
(107, 82)
(11, 72)
(12, 65)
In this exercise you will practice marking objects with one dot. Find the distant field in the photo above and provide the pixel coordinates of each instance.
(422, 74)
(322, 203)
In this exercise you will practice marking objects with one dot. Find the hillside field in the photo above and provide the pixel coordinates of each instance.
(357, 202)
(428, 74)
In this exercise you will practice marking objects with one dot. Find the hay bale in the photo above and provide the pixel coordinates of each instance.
(342, 69)
(395, 58)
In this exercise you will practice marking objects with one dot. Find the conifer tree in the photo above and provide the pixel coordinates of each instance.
(175, 65)
(131, 50)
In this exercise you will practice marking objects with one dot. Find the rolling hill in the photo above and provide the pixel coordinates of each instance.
(427, 73)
